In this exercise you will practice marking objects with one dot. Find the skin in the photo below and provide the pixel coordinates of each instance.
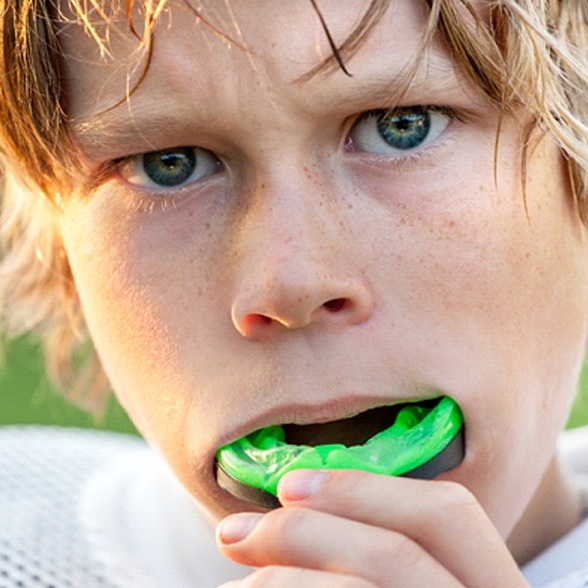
(307, 279)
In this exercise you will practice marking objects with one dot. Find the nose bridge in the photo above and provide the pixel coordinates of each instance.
(292, 223)
(287, 238)
(293, 267)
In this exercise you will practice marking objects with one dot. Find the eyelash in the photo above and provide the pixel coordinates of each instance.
(425, 149)
(147, 199)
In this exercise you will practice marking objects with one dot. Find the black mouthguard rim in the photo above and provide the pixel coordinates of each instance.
(445, 460)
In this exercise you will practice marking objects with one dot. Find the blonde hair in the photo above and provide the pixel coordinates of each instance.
(530, 54)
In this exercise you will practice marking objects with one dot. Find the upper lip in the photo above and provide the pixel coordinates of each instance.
(308, 414)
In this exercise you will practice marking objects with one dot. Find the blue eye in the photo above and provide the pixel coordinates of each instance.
(169, 168)
(405, 130)
(399, 130)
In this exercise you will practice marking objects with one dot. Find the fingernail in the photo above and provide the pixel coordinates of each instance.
(236, 527)
(301, 484)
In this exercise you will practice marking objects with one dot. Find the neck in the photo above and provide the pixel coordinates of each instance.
(556, 508)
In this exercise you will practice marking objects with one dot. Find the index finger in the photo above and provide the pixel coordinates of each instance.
(444, 518)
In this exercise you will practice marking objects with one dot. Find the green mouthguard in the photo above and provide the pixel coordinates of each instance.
(420, 432)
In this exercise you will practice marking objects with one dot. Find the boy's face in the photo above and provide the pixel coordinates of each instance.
(305, 257)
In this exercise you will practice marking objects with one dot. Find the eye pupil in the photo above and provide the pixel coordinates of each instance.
(405, 129)
(170, 168)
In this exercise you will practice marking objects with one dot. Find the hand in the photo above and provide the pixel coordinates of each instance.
(351, 529)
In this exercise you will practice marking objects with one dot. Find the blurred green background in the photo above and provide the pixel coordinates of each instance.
(27, 397)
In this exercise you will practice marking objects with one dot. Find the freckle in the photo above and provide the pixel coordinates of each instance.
(207, 226)
(350, 206)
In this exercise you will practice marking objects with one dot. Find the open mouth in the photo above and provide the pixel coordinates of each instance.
(355, 430)
(419, 439)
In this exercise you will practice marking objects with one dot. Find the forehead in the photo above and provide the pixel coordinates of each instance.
(233, 70)
(280, 40)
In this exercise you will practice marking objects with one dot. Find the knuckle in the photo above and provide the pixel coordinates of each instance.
(403, 550)
(266, 576)
(285, 526)
(456, 505)
(392, 549)
(353, 582)
(455, 497)
(287, 520)
(279, 576)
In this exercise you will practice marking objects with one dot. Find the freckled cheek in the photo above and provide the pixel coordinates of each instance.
(161, 357)
(484, 281)
(125, 305)
(491, 252)
(132, 338)
(445, 264)
(505, 280)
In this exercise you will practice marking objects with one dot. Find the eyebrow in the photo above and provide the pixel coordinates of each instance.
(433, 79)
(137, 122)
(123, 126)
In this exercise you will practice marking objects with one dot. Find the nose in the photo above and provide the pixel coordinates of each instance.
(294, 300)
(297, 267)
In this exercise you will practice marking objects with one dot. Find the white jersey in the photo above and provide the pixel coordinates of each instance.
(565, 563)
(94, 509)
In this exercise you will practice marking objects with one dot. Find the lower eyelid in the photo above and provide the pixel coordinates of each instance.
(417, 161)
(137, 199)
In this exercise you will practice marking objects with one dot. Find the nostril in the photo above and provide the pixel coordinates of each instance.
(251, 321)
(336, 304)
(295, 308)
